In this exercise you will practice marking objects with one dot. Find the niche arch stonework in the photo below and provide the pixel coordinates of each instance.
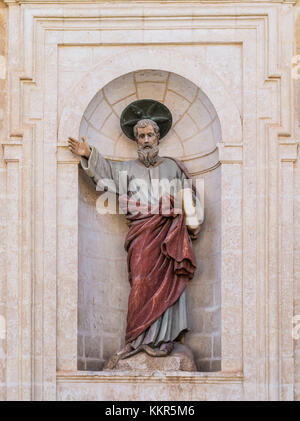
(103, 285)
(165, 59)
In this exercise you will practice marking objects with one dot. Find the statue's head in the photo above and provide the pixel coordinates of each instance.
(146, 121)
(146, 133)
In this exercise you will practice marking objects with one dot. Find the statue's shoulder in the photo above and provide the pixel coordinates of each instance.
(120, 163)
(178, 163)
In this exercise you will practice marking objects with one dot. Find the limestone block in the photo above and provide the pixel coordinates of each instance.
(200, 114)
(185, 127)
(93, 347)
(180, 359)
(81, 364)
(200, 344)
(177, 104)
(204, 365)
(217, 346)
(111, 127)
(171, 145)
(200, 142)
(202, 296)
(97, 99)
(179, 85)
(152, 75)
(80, 346)
(196, 320)
(216, 365)
(120, 88)
(212, 320)
(72, 58)
(94, 365)
(104, 143)
(151, 90)
(100, 114)
(122, 104)
(111, 344)
(125, 148)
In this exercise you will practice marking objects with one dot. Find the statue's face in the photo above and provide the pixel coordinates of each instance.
(146, 137)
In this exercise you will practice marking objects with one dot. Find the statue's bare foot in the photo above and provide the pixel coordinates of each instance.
(164, 350)
(114, 359)
(127, 348)
(131, 353)
(112, 362)
(167, 347)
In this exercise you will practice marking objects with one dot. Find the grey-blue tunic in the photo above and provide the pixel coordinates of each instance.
(173, 321)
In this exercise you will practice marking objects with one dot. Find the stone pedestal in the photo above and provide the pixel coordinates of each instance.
(180, 359)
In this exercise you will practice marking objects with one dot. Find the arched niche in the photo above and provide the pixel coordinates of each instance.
(103, 285)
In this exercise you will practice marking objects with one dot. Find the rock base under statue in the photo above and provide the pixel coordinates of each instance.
(180, 359)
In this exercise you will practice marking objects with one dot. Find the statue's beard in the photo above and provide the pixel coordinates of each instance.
(148, 155)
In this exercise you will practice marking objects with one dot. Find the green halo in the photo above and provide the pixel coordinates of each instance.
(145, 109)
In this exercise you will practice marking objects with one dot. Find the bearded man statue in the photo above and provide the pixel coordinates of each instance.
(160, 255)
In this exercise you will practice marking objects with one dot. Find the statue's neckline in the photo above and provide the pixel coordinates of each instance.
(160, 161)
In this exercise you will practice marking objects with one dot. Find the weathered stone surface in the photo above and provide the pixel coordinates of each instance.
(241, 56)
(180, 359)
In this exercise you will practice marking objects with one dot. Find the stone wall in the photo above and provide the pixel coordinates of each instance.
(204, 291)
(3, 75)
(103, 286)
(296, 85)
(297, 276)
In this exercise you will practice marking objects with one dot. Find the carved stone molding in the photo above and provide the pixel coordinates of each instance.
(289, 151)
(12, 152)
(230, 154)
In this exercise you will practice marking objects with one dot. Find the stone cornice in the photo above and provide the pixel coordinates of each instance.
(12, 151)
(230, 153)
(150, 377)
(289, 151)
(149, 1)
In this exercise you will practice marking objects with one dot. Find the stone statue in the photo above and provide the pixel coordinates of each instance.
(160, 255)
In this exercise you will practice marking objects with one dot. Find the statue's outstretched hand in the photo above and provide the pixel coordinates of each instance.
(79, 148)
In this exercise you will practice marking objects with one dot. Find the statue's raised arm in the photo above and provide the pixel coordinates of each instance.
(93, 163)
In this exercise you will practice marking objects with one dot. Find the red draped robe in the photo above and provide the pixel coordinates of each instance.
(160, 262)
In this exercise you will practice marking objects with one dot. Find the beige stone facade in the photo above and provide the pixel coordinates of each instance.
(228, 72)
